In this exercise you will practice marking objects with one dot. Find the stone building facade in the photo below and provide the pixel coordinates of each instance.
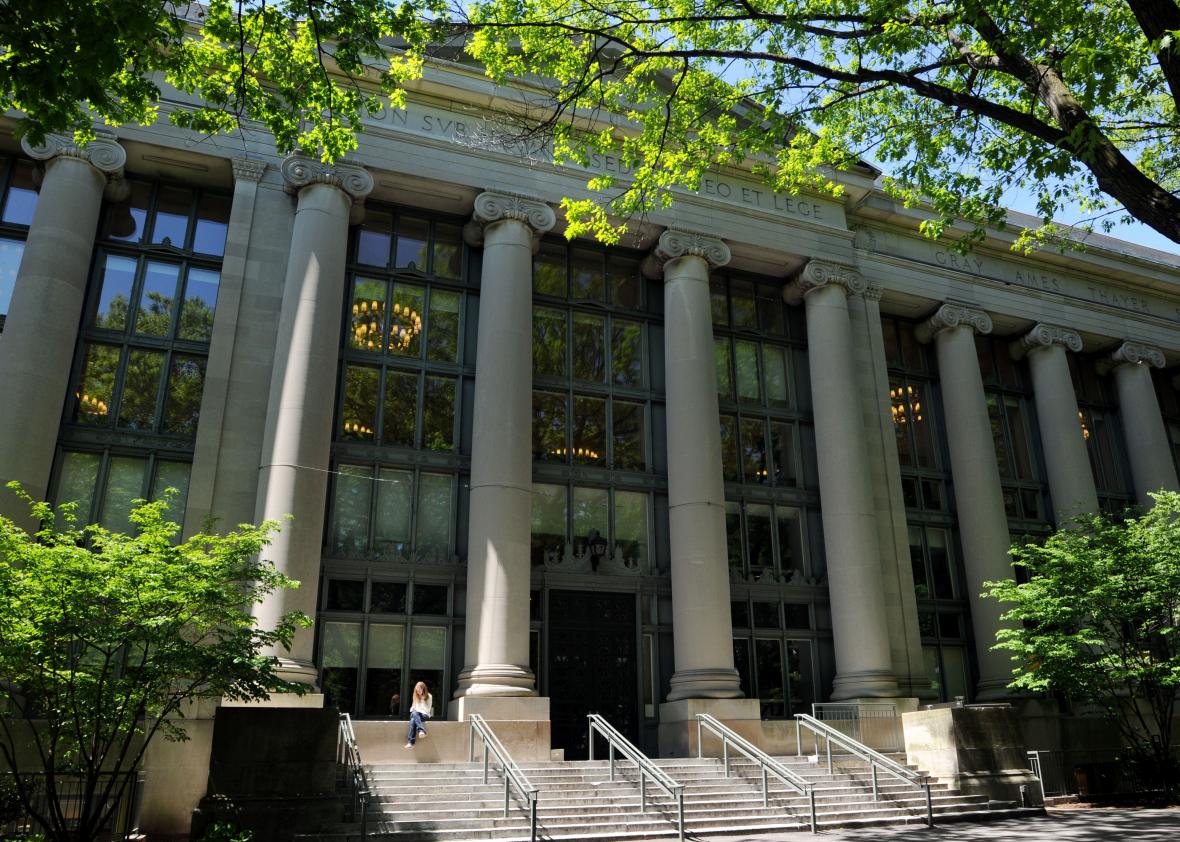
(768, 448)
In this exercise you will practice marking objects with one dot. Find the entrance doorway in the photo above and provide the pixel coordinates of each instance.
(592, 666)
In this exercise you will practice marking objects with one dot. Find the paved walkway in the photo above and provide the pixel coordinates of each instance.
(1060, 825)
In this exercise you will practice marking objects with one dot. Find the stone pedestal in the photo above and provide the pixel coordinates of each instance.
(678, 724)
(977, 750)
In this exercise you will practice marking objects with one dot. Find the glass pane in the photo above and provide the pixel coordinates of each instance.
(790, 541)
(930, 656)
(405, 320)
(124, 484)
(758, 534)
(955, 676)
(438, 414)
(741, 662)
(1006, 369)
(729, 448)
(549, 443)
(374, 239)
(549, 270)
(733, 538)
(586, 275)
(400, 409)
(801, 679)
(157, 300)
(387, 643)
(588, 431)
(173, 206)
(923, 430)
(413, 235)
(949, 625)
(627, 353)
(718, 303)
(625, 281)
(918, 564)
(898, 392)
(549, 342)
(75, 484)
(987, 366)
(387, 597)
(909, 492)
(358, 420)
(797, 616)
(127, 220)
(911, 350)
(350, 512)
(428, 649)
(721, 362)
(591, 526)
(96, 388)
(940, 563)
(366, 319)
(212, 225)
(443, 338)
(776, 375)
(185, 384)
(548, 524)
(771, 685)
(10, 255)
(174, 476)
(430, 599)
(1018, 431)
(754, 467)
(999, 441)
(741, 296)
(141, 387)
(766, 615)
(739, 614)
(631, 530)
(114, 301)
(770, 310)
(200, 303)
(391, 535)
(433, 539)
(749, 380)
(627, 434)
(21, 201)
(782, 443)
(589, 348)
(342, 645)
(448, 251)
(932, 498)
(383, 670)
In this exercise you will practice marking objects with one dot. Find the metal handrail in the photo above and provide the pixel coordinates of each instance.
(874, 758)
(767, 764)
(513, 777)
(617, 742)
(349, 754)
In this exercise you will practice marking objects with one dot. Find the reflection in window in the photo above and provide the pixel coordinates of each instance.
(608, 530)
(425, 500)
(340, 658)
(428, 646)
(156, 299)
(186, 381)
(773, 550)
(549, 270)
(721, 359)
(383, 669)
(628, 436)
(548, 342)
(589, 347)
(749, 378)
(627, 353)
(548, 525)
(400, 412)
(124, 479)
(586, 275)
(141, 388)
(11, 252)
(413, 236)
(588, 439)
(20, 196)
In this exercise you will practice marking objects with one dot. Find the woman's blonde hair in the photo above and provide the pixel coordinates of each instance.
(420, 690)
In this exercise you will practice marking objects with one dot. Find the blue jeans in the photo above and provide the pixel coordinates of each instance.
(417, 723)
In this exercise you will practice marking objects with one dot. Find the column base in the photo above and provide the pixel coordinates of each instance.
(705, 684)
(865, 684)
(678, 724)
(496, 680)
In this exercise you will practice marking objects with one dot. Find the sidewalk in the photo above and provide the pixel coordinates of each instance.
(1060, 825)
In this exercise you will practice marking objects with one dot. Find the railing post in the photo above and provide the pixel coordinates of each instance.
(873, 766)
(680, 813)
(700, 747)
(485, 762)
(828, 746)
(642, 791)
(533, 818)
(798, 739)
(591, 738)
(611, 756)
(765, 792)
(725, 754)
(506, 795)
(929, 807)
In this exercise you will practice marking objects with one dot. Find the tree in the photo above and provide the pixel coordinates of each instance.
(104, 638)
(960, 99)
(1097, 621)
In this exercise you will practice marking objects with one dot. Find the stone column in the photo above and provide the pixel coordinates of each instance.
(859, 625)
(1148, 448)
(293, 478)
(41, 331)
(499, 530)
(1071, 481)
(702, 630)
(983, 523)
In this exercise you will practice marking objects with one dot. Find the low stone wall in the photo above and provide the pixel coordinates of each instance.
(384, 741)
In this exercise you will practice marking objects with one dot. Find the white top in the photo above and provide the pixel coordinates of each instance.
(425, 707)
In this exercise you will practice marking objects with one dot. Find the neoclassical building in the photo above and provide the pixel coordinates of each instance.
(768, 449)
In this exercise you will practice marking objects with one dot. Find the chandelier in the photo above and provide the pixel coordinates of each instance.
(576, 452)
(1085, 428)
(90, 405)
(368, 317)
(905, 404)
(355, 428)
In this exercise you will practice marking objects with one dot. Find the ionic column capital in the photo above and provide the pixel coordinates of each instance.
(248, 170)
(301, 171)
(1046, 336)
(821, 273)
(952, 315)
(104, 152)
(675, 243)
(495, 206)
(1137, 353)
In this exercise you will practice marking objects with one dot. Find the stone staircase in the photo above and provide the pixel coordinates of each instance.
(449, 802)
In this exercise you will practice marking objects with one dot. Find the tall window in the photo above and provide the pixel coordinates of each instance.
(1102, 430)
(18, 200)
(915, 405)
(132, 413)
(774, 652)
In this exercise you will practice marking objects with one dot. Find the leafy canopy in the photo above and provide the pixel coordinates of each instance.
(105, 637)
(1099, 619)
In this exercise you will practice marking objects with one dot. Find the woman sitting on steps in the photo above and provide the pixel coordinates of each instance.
(421, 709)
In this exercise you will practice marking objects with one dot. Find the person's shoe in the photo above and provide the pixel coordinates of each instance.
(409, 745)
(421, 735)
